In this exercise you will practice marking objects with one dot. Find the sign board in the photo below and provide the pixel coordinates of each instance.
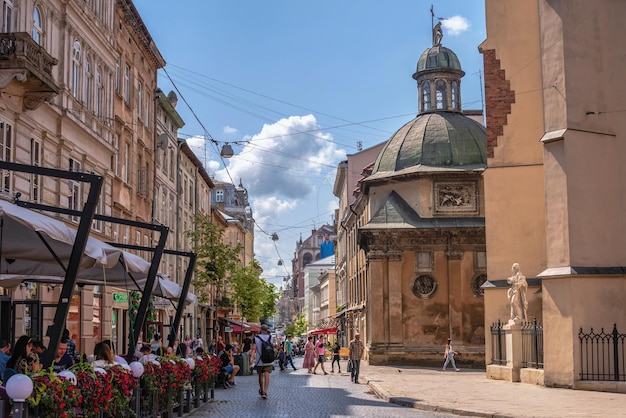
(120, 297)
(228, 329)
(161, 304)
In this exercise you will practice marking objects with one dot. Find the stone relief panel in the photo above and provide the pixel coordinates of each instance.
(455, 198)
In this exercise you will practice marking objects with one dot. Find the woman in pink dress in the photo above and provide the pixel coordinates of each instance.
(309, 355)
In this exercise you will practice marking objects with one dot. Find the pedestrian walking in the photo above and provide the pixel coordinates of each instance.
(309, 355)
(356, 350)
(321, 352)
(288, 346)
(336, 348)
(263, 364)
(449, 356)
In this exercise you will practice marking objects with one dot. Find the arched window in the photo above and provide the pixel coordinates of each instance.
(37, 32)
(441, 95)
(455, 95)
(76, 69)
(99, 104)
(88, 84)
(425, 96)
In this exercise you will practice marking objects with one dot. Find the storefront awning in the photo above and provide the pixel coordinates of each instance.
(324, 331)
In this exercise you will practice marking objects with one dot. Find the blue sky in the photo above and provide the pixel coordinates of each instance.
(294, 86)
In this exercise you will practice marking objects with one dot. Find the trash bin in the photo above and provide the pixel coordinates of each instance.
(245, 368)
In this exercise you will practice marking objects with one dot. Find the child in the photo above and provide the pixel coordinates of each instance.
(281, 358)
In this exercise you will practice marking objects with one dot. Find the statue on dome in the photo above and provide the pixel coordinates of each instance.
(437, 34)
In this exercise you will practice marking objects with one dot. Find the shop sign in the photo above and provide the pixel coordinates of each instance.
(120, 297)
(228, 329)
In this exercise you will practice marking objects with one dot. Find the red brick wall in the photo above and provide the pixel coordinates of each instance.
(498, 99)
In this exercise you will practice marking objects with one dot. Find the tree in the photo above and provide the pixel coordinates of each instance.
(216, 260)
(297, 328)
(255, 298)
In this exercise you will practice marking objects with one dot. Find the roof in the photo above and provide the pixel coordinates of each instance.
(438, 57)
(432, 142)
(396, 213)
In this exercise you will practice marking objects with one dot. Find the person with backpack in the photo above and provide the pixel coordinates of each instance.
(264, 349)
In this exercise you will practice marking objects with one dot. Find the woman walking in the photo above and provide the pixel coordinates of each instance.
(336, 348)
(309, 355)
(449, 356)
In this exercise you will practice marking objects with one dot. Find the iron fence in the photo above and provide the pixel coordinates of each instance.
(532, 344)
(602, 355)
(498, 351)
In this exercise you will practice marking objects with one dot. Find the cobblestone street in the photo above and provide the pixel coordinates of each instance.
(299, 394)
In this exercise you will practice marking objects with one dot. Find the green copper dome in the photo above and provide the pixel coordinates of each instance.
(438, 57)
(434, 141)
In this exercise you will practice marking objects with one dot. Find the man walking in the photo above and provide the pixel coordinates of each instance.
(263, 364)
(289, 352)
(356, 355)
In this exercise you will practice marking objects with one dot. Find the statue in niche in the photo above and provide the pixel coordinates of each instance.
(517, 294)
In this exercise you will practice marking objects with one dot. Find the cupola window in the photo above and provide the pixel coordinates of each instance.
(455, 95)
(425, 96)
(441, 95)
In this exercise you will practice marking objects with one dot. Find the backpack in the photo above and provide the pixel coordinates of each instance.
(267, 350)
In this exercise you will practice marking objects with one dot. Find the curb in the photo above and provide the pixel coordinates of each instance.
(412, 403)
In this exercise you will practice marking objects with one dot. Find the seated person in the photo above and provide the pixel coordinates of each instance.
(103, 355)
(146, 354)
(228, 363)
(62, 361)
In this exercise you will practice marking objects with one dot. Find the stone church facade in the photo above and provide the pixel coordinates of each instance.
(425, 239)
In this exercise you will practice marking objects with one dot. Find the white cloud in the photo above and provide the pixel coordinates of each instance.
(283, 168)
(229, 130)
(455, 25)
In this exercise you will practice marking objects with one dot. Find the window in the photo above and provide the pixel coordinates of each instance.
(219, 195)
(99, 103)
(425, 96)
(126, 167)
(37, 32)
(146, 118)
(88, 84)
(75, 189)
(6, 145)
(76, 69)
(441, 95)
(424, 286)
(140, 100)
(35, 179)
(115, 162)
(118, 76)
(127, 84)
(172, 164)
(455, 95)
(7, 16)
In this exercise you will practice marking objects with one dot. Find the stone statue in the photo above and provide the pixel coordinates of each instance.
(517, 294)
(437, 34)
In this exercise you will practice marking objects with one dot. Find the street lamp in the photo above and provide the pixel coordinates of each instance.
(19, 387)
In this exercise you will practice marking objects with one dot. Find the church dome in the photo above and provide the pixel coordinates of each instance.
(434, 142)
(438, 57)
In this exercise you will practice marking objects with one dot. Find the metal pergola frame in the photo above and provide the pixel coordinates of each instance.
(87, 215)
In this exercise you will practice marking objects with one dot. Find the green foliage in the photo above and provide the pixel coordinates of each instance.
(297, 328)
(217, 261)
(254, 297)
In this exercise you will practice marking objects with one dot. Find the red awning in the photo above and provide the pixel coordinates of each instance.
(324, 331)
(236, 329)
(253, 329)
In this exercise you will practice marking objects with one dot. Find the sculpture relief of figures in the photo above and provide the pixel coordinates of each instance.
(517, 294)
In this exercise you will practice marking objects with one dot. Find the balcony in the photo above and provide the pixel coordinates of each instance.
(22, 59)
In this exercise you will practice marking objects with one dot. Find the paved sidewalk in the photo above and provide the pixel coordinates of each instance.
(470, 393)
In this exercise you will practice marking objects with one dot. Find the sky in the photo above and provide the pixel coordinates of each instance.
(295, 86)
